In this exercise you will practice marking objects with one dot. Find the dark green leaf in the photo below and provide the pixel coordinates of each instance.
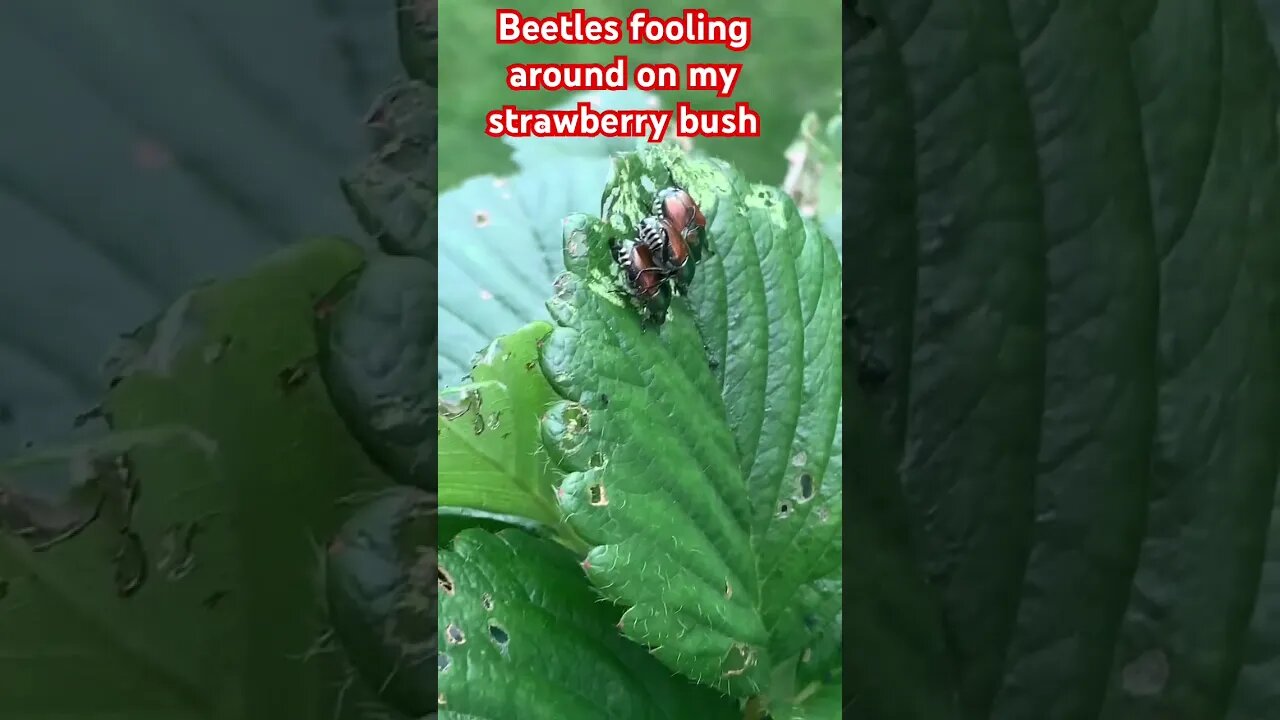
(820, 703)
(217, 131)
(192, 591)
(521, 635)
(393, 194)
(1065, 297)
(378, 358)
(417, 22)
(381, 590)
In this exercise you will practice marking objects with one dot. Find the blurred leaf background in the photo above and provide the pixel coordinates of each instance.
(152, 145)
(791, 67)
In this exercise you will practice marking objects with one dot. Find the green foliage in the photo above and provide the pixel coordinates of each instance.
(189, 590)
(377, 354)
(381, 596)
(522, 636)
(500, 236)
(218, 129)
(393, 193)
(1064, 301)
(727, 565)
(491, 458)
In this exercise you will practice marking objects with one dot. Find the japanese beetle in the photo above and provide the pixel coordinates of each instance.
(670, 249)
(676, 206)
(645, 283)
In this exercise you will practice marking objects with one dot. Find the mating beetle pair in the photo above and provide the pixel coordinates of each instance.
(667, 246)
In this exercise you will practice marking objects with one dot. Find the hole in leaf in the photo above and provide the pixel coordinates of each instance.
(784, 510)
(597, 460)
(499, 637)
(739, 660)
(442, 663)
(806, 487)
(575, 419)
(444, 580)
(487, 601)
(728, 590)
(604, 400)
(454, 635)
(598, 496)
(454, 403)
(482, 218)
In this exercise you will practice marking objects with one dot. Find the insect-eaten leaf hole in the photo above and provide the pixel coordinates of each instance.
(442, 662)
(487, 601)
(575, 419)
(454, 635)
(728, 590)
(806, 487)
(444, 580)
(784, 510)
(499, 636)
(482, 218)
(598, 496)
(739, 659)
(597, 461)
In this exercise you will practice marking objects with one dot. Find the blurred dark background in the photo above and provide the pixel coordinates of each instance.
(152, 144)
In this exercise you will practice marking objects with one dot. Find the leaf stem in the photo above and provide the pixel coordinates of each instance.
(570, 539)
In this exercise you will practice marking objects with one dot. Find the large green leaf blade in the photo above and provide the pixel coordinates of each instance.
(767, 303)
(521, 635)
(193, 592)
(1064, 310)
(654, 484)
